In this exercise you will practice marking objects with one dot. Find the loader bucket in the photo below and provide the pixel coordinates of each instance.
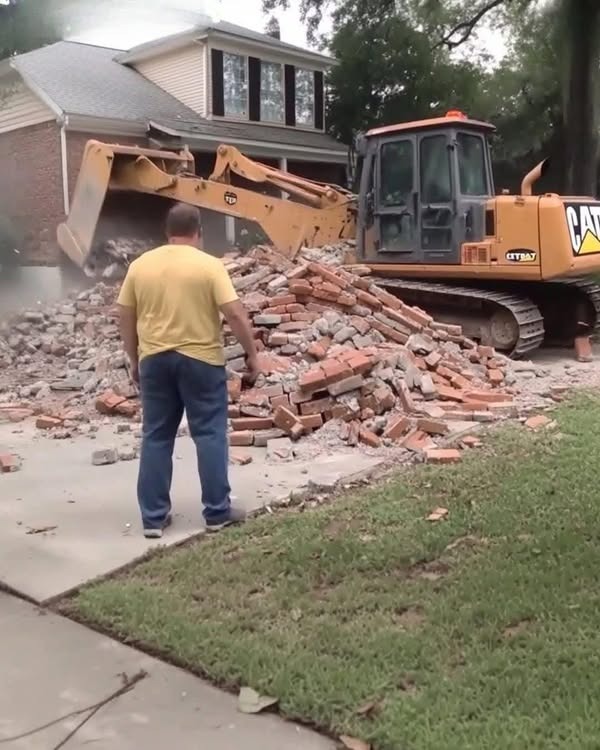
(113, 216)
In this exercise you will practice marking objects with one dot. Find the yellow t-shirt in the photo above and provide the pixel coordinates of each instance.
(176, 291)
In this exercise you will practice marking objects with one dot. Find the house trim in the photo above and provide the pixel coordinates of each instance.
(169, 44)
(259, 148)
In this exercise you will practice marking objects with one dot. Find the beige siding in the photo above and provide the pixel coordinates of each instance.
(181, 74)
(20, 108)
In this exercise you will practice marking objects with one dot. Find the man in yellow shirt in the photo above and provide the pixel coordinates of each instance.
(170, 305)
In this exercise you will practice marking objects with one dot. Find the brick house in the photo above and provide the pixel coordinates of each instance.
(213, 84)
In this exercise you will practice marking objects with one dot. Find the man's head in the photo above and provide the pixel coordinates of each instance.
(183, 225)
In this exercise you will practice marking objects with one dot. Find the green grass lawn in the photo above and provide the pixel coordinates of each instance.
(480, 632)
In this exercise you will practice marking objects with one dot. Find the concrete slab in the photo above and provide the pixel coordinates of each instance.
(91, 512)
(51, 667)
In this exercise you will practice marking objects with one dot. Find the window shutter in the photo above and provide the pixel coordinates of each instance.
(290, 95)
(254, 89)
(218, 101)
(319, 100)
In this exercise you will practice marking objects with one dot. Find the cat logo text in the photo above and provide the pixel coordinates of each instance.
(583, 221)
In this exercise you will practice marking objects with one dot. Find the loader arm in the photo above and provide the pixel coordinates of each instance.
(313, 214)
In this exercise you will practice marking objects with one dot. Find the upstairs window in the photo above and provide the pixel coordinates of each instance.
(272, 106)
(305, 98)
(235, 85)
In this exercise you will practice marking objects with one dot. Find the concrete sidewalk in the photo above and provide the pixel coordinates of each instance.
(52, 666)
(91, 514)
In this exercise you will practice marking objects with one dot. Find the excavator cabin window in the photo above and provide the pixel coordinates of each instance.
(472, 167)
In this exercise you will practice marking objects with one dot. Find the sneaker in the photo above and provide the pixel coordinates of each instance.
(236, 515)
(157, 533)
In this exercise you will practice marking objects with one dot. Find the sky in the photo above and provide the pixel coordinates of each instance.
(155, 18)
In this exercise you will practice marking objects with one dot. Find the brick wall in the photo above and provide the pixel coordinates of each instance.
(31, 190)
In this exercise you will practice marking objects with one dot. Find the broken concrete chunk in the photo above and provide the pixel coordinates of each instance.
(105, 457)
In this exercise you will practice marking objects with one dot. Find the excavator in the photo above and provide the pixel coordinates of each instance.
(514, 270)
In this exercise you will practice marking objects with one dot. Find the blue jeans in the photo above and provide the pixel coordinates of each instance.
(171, 382)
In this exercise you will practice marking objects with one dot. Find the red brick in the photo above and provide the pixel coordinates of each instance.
(327, 275)
(406, 399)
(459, 381)
(299, 397)
(496, 377)
(17, 414)
(276, 310)
(251, 423)
(583, 349)
(386, 298)
(286, 420)
(416, 441)
(301, 288)
(240, 459)
(311, 421)
(305, 317)
(535, 423)
(298, 272)
(433, 426)
(317, 351)
(417, 315)
(322, 292)
(295, 308)
(107, 402)
(341, 411)
(285, 299)
(368, 438)
(241, 438)
(396, 428)
(364, 298)
(470, 441)
(283, 400)
(9, 463)
(443, 455)
(361, 325)
(360, 363)
(433, 360)
(490, 397)
(346, 385)
(233, 411)
(346, 300)
(388, 331)
(293, 326)
(384, 399)
(312, 380)
(48, 423)
(317, 307)
(278, 339)
(402, 319)
(127, 408)
(270, 391)
(447, 393)
(335, 370)
(485, 351)
(234, 388)
(319, 406)
(270, 363)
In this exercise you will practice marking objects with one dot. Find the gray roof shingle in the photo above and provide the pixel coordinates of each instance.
(85, 80)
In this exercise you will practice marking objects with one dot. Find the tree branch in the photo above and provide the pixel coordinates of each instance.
(466, 28)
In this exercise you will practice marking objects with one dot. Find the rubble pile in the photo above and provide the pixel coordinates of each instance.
(335, 348)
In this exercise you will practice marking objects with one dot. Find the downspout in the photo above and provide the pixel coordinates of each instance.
(65, 165)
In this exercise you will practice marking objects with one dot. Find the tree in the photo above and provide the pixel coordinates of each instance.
(388, 72)
(23, 27)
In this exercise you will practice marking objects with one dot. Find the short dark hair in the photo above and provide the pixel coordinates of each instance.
(183, 220)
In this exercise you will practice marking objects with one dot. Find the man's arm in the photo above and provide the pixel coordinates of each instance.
(237, 318)
(127, 307)
(128, 325)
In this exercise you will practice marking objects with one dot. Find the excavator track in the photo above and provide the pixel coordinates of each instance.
(515, 318)
(501, 310)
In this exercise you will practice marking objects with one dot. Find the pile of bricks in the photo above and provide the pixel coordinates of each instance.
(336, 346)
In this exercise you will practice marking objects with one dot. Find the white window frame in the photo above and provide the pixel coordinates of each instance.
(280, 122)
(246, 115)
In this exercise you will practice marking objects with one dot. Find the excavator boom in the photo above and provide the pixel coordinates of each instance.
(309, 214)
